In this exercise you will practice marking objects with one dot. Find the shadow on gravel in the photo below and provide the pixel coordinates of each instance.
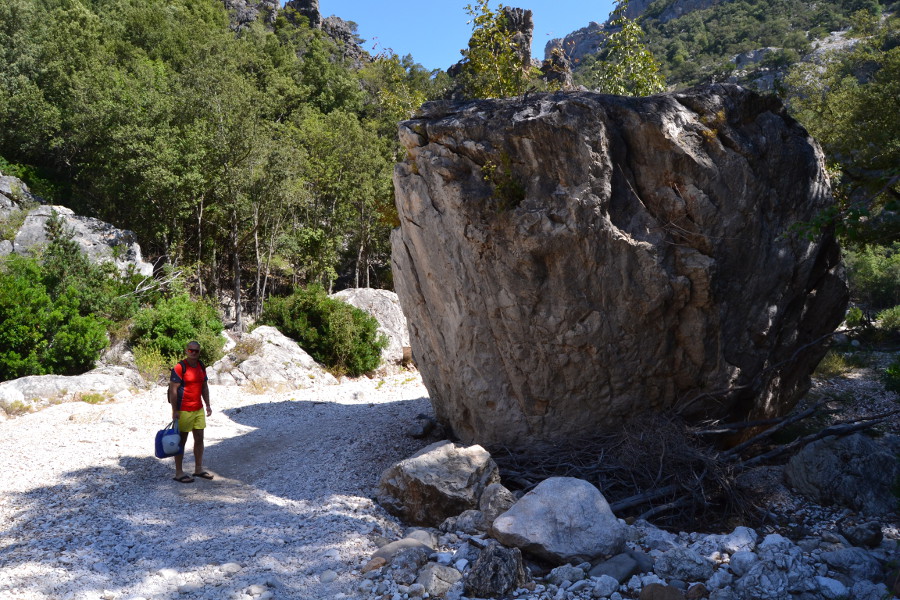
(284, 495)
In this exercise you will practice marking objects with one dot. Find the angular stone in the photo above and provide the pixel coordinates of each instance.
(438, 579)
(657, 591)
(856, 563)
(496, 572)
(562, 520)
(495, 500)
(864, 534)
(568, 261)
(621, 567)
(853, 471)
(439, 481)
(684, 564)
(389, 551)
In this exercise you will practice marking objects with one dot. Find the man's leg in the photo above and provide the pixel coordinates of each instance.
(198, 451)
(179, 458)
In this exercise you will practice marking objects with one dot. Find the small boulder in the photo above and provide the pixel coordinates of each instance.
(562, 520)
(853, 471)
(497, 572)
(495, 501)
(864, 534)
(438, 579)
(684, 564)
(471, 522)
(440, 481)
(384, 306)
(856, 563)
(658, 591)
(621, 567)
(268, 358)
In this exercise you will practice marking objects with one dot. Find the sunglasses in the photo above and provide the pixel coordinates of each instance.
(193, 350)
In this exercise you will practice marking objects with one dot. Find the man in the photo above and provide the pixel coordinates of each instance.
(188, 391)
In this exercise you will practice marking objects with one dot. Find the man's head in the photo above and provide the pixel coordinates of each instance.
(192, 350)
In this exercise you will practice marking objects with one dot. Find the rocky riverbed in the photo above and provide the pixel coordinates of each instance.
(87, 513)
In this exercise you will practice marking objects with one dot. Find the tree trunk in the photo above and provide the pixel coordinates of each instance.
(238, 321)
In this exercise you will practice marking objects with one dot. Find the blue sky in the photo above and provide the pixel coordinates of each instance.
(434, 31)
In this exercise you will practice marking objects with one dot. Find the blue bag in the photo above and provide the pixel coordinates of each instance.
(168, 441)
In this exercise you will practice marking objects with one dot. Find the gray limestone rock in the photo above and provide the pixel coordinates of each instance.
(100, 241)
(856, 563)
(495, 500)
(684, 564)
(439, 481)
(853, 471)
(269, 359)
(562, 520)
(567, 261)
(384, 306)
(438, 579)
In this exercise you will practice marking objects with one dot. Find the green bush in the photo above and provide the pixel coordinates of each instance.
(173, 322)
(874, 274)
(889, 320)
(40, 333)
(891, 377)
(855, 317)
(340, 336)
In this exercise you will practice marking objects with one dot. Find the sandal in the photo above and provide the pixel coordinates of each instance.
(203, 475)
(184, 479)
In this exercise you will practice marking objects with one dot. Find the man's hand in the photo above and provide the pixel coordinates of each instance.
(208, 410)
(175, 414)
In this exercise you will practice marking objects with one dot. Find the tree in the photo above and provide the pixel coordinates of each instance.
(624, 66)
(492, 66)
(849, 106)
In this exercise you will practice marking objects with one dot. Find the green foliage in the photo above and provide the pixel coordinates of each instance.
(833, 364)
(338, 335)
(874, 275)
(889, 320)
(849, 106)
(699, 46)
(891, 377)
(508, 190)
(492, 65)
(166, 329)
(855, 317)
(624, 66)
(42, 333)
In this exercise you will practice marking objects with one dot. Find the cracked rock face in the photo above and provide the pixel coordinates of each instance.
(569, 261)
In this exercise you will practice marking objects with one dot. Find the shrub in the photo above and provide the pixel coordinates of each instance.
(889, 320)
(855, 317)
(336, 334)
(172, 323)
(891, 377)
(833, 364)
(41, 334)
(874, 274)
(152, 365)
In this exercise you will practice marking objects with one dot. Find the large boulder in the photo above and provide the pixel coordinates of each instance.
(439, 481)
(853, 471)
(385, 307)
(269, 360)
(567, 261)
(562, 520)
(36, 391)
(100, 241)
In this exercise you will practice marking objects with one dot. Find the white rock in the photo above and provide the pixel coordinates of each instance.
(563, 520)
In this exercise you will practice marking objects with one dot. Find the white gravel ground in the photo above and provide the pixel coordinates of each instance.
(87, 512)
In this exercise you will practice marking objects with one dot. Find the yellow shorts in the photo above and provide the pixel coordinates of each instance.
(188, 421)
